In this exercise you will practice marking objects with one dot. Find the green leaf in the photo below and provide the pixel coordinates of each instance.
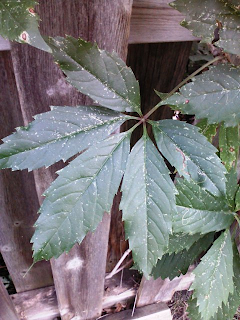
(229, 145)
(180, 241)
(77, 199)
(57, 134)
(226, 311)
(161, 95)
(201, 18)
(198, 211)
(208, 130)
(148, 202)
(190, 153)
(214, 277)
(232, 188)
(101, 75)
(213, 95)
(19, 22)
(178, 263)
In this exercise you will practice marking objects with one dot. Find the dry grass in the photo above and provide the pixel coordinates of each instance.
(178, 306)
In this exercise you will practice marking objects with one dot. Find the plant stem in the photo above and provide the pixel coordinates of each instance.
(180, 85)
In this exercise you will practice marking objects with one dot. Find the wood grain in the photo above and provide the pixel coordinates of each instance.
(41, 304)
(159, 66)
(18, 197)
(155, 21)
(153, 291)
(4, 44)
(158, 311)
(41, 84)
(7, 309)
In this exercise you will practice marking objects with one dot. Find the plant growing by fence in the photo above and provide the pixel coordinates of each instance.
(168, 225)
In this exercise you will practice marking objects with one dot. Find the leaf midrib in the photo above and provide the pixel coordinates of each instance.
(82, 193)
(187, 155)
(129, 102)
(65, 137)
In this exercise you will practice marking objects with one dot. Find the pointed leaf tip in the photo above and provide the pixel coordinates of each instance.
(102, 76)
(57, 135)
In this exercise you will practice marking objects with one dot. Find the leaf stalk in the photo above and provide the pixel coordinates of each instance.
(180, 85)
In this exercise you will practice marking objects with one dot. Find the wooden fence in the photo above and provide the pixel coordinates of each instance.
(158, 51)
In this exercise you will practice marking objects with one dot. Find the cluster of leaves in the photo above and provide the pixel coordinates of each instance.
(168, 225)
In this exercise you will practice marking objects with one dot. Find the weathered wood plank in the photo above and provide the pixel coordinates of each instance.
(7, 309)
(18, 198)
(153, 291)
(158, 311)
(84, 267)
(40, 85)
(155, 21)
(41, 304)
(4, 44)
(159, 66)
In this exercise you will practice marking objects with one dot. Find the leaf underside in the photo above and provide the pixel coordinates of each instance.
(198, 211)
(102, 76)
(57, 135)
(77, 199)
(175, 264)
(201, 18)
(147, 203)
(213, 95)
(191, 154)
(214, 277)
(19, 22)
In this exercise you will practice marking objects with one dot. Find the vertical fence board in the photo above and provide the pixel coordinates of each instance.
(82, 291)
(7, 309)
(41, 84)
(18, 198)
(159, 66)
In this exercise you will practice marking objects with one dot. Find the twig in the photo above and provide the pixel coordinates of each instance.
(134, 305)
(116, 268)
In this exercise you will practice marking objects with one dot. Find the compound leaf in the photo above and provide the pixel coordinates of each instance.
(175, 264)
(229, 145)
(198, 211)
(213, 95)
(214, 277)
(77, 199)
(148, 202)
(57, 134)
(101, 75)
(190, 153)
(19, 22)
(201, 18)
